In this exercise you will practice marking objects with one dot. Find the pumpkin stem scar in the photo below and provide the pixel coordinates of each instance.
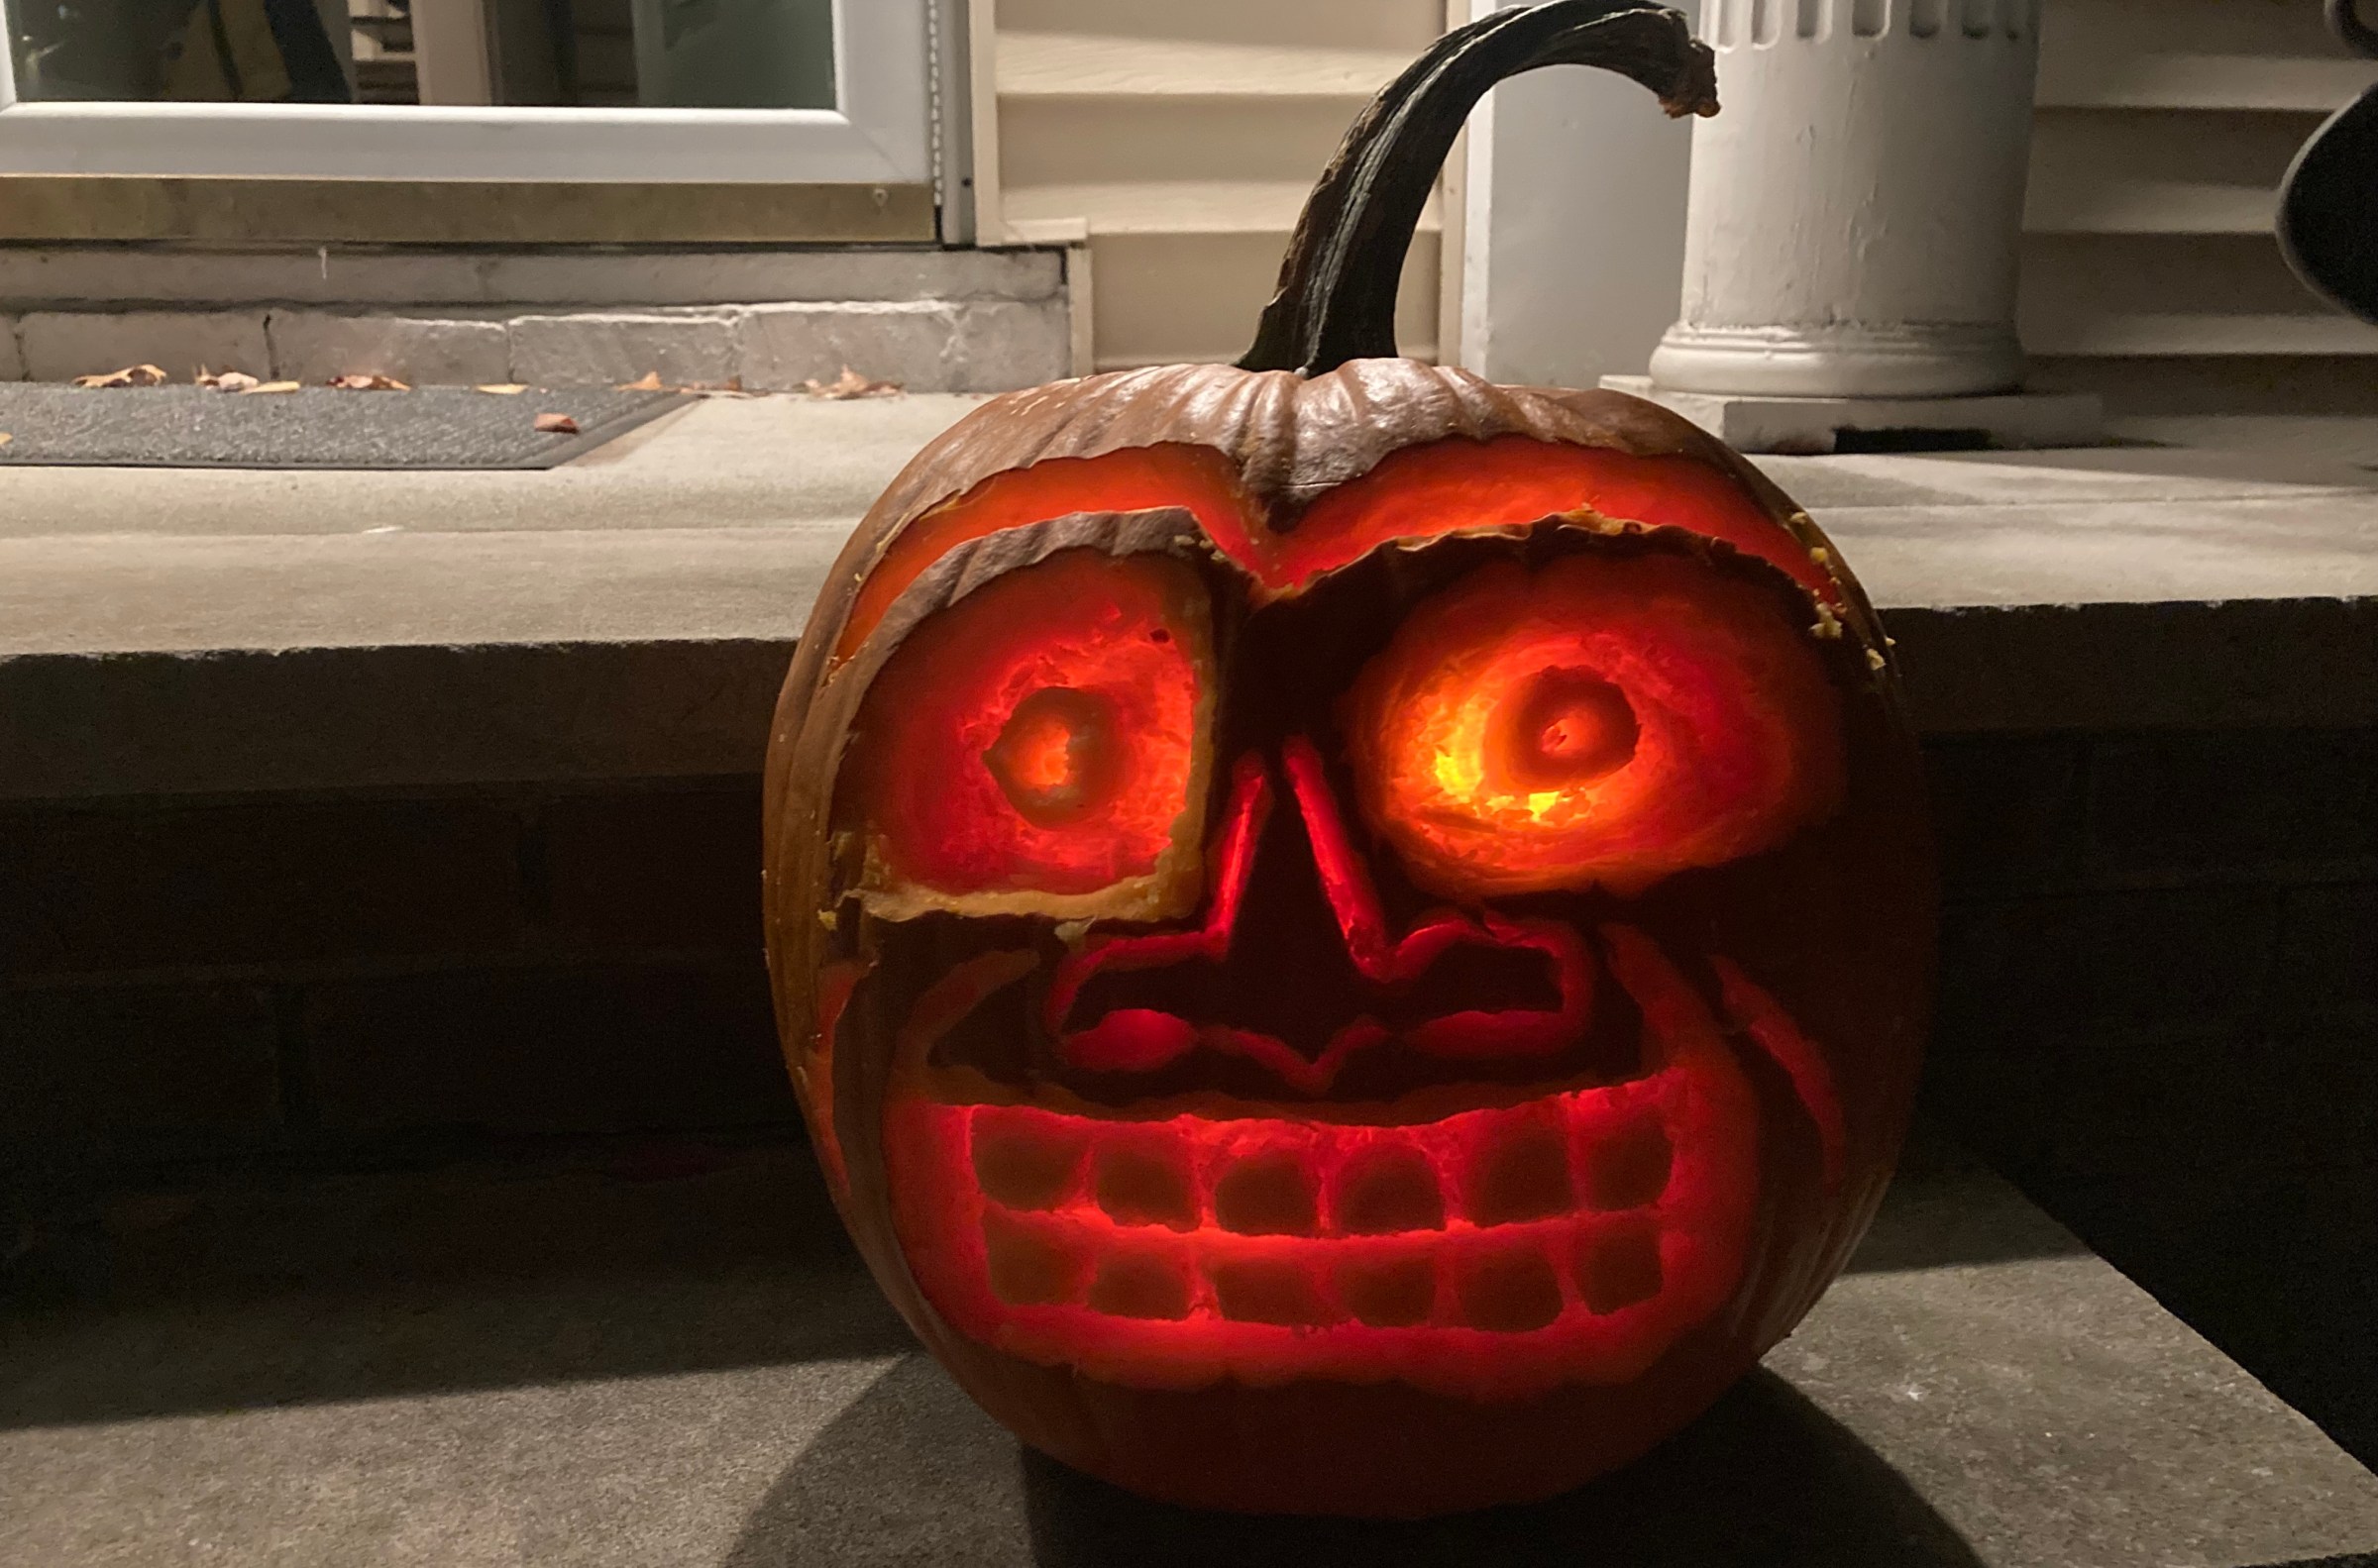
(1337, 284)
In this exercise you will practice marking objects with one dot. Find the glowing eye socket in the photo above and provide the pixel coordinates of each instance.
(1567, 727)
(1602, 721)
(1057, 759)
(1037, 742)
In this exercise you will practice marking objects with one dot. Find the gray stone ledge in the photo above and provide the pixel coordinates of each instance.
(92, 725)
(927, 345)
(631, 615)
(88, 277)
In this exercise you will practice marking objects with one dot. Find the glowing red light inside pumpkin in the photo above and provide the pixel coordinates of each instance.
(1038, 735)
(1569, 729)
(1131, 1039)
(1599, 721)
(1487, 1250)
(1056, 760)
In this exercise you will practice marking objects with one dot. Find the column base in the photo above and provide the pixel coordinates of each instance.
(1761, 423)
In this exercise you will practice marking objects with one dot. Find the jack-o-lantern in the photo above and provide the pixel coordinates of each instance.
(1353, 940)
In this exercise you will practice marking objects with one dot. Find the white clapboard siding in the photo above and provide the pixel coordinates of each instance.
(1180, 137)
(2163, 130)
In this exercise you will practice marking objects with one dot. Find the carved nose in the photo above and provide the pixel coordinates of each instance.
(1296, 967)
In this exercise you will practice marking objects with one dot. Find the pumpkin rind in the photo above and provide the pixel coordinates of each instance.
(1472, 1252)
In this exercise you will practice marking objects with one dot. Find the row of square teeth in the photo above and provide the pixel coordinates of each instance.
(1513, 1282)
(1477, 1170)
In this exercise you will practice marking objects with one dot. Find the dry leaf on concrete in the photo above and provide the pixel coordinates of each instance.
(504, 388)
(368, 384)
(851, 385)
(556, 425)
(5, 438)
(270, 386)
(130, 376)
(649, 381)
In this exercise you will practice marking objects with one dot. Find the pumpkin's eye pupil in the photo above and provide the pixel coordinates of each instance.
(1055, 758)
(1567, 727)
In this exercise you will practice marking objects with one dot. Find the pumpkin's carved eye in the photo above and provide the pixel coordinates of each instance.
(1040, 738)
(1600, 722)
(1058, 758)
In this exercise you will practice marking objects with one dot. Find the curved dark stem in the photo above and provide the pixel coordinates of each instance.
(2346, 21)
(1338, 285)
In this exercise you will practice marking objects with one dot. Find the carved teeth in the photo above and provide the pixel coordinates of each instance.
(1024, 1161)
(1389, 1292)
(1618, 1270)
(1267, 1194)
(1388, 1190)
(1144, 1180)
(1269, 1290)
(1031, 1268)
(1510, 1288)
(1505, 1219)
(1141, 1284)
(1629, 1170)
(1521, 1174)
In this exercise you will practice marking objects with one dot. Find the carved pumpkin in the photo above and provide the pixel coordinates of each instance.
(1353, 940)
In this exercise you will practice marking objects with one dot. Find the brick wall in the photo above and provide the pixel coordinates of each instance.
(2159, 1006)
(363, 975)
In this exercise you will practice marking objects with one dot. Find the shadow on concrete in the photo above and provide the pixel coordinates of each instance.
(634, 1261)
(2230, 1177)
(912, 1472)
(622, 1260)
(1932, 1221)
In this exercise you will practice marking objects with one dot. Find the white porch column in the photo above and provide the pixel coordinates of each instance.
(1854, 222)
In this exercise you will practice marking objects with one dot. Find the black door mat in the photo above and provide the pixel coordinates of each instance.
(314, 427)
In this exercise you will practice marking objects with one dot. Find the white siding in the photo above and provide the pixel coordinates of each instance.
(1181, 139)
(2151, 272)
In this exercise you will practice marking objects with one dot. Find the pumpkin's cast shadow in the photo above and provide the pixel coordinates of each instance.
(912, 1472)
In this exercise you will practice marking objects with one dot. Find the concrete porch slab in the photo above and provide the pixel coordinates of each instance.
(717, 522)
(1752, 422)
(657, 1358)
(198, 630)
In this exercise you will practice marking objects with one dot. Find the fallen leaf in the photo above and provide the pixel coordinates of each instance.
(271, 387)
(504, 389)
(5, 438)
(229, 381)
(130, 376)
(556, 425)
(368, 384)
(851, 385)
(649, 381)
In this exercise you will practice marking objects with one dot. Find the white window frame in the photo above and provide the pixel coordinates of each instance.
(880, 132)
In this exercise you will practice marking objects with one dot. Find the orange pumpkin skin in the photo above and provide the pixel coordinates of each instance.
(1352, 942)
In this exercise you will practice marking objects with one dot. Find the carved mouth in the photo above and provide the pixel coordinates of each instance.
(1484, 1241)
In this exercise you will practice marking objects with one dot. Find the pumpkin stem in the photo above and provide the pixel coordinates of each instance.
(1337, 284)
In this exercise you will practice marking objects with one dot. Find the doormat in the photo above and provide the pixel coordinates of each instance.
(313, 427)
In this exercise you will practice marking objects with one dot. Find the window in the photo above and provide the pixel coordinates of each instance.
(776, 91)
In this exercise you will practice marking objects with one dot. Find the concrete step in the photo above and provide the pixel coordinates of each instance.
(667, 1355)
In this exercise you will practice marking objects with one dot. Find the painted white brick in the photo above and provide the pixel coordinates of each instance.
(1002, 344)
(907, 340)
(431, 281)
(425, 350)
(12, 363)
(603, 349)
(60, 345)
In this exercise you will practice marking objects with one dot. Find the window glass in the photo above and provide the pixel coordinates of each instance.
(573, 53)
